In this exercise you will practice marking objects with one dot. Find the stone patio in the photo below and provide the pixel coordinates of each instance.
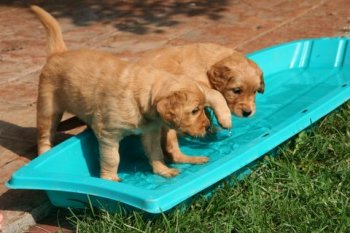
(126, 28)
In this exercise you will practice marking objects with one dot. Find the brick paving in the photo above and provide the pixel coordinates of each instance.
(126, 28)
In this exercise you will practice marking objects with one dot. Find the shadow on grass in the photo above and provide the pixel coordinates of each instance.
(138, 17)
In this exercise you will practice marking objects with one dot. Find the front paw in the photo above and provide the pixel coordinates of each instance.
(198, 159)
(225, 121)
(43, 148)
(167, 172)
(190, 159)
(111, 177)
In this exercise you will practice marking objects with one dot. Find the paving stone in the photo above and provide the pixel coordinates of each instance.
(325, 19)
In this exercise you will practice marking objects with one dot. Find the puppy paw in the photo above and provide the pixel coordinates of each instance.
(225, 121)
(43, 148)
(198, 159)
(110, 177)
(190, 159)
(167, 172)
(116, 178)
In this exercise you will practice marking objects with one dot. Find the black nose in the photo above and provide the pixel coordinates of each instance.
(246, 113)
(207, 128)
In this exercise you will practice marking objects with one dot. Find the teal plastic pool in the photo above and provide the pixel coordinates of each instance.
(305, 80)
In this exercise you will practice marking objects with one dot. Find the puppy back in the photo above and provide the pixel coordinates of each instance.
(53, 31)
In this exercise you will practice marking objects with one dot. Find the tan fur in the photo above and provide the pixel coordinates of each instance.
(53, 31)
(215, 67)
(115, 99)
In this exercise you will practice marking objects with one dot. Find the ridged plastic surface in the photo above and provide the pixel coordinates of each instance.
(305, 80)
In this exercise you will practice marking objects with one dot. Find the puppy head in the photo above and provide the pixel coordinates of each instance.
(183, 110)
(238, 79)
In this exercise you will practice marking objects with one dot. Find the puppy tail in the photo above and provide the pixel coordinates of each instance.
(53, 31)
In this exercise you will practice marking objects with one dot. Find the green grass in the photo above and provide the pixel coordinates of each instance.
(305, 187)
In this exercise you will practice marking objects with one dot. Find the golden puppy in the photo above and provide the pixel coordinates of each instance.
(226, 70)
(217, 67)
(117, 99)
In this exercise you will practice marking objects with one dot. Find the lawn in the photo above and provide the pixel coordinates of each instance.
(303, 186)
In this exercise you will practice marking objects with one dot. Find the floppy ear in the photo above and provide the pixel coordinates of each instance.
(256, 67)
(168, 107)
(164, 110)
(218, 76)
(262, 84)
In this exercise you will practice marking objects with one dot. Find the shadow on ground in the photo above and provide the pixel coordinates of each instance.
(22, 140)
(21, 200)
(138, 16)
(28, 200)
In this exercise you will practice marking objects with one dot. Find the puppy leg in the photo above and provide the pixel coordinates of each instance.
(48, 117)
(153, 150)
(171, 146)
(217, 102)
(109, 151)
(109, 160)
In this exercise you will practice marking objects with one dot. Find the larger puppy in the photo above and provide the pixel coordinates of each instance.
(213, 66)
(116, 99)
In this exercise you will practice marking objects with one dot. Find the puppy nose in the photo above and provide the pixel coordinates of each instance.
(246, 113)
(207, 128)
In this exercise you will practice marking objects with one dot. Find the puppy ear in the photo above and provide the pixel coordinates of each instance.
(262, 84)
(164, 109)
(218, 76)
(259, 71)
(168, 107)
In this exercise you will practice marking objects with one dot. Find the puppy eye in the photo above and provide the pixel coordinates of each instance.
(237, 90)
(195, 110)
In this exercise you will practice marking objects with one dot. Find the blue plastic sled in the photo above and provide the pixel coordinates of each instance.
(305, 80)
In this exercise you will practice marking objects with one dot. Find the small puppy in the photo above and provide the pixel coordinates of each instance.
(117, 99)
(217, 67)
